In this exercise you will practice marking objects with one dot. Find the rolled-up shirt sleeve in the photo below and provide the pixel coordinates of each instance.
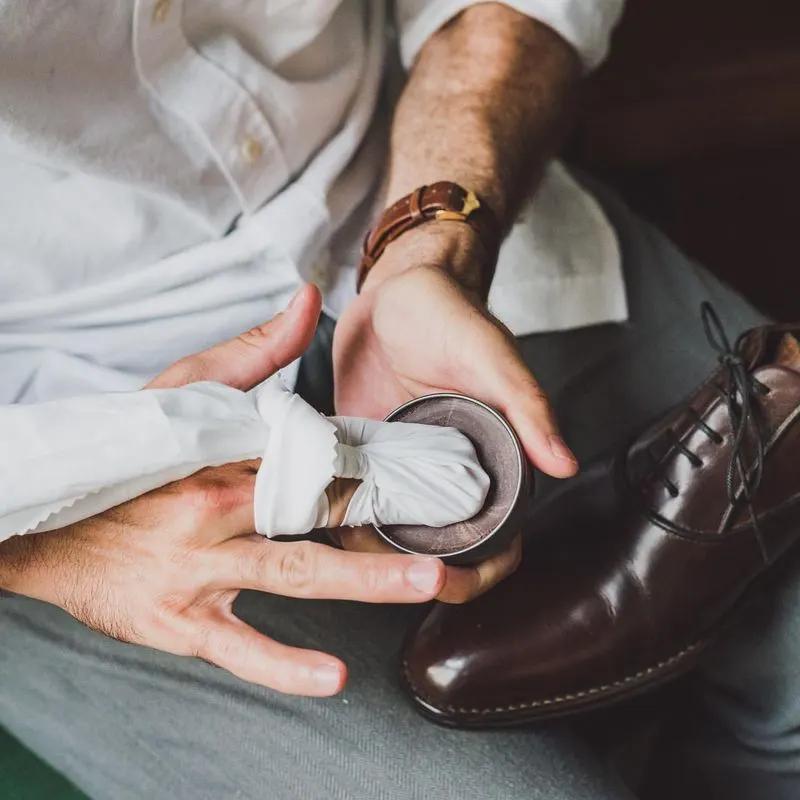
(585, 24)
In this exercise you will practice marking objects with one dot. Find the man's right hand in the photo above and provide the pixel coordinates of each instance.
(164, 569)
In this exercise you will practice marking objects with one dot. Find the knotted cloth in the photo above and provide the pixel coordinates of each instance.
(67, 460)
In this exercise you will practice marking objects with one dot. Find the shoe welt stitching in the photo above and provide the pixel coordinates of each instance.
(561, 698)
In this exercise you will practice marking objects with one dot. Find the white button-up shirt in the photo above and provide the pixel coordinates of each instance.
(172, 170)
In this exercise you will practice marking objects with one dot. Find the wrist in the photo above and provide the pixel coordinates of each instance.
(14, 553)
(451, 247)
(26, 565)
(5, 579)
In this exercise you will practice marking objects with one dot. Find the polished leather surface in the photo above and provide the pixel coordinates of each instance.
(624, 584)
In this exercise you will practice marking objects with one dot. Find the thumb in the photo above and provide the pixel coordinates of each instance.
(251, 357)
(528, 410)
(510, 387)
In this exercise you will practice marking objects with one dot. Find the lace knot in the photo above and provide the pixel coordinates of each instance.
(732, 360)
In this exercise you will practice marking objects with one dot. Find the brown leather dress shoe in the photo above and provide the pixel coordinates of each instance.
(637, 564)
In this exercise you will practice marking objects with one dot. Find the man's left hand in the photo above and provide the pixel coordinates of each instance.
(420, 326)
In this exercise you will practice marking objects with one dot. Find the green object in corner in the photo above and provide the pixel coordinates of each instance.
(25, 777)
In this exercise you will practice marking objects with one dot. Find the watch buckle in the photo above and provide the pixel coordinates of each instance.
(471, 204)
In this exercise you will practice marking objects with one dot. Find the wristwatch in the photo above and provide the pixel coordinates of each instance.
(443, 201)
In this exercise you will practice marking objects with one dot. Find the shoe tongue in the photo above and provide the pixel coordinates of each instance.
(755, 351)
(788, 354)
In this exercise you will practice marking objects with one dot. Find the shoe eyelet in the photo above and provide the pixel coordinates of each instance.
(762, 388)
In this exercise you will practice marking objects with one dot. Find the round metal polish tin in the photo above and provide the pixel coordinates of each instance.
(500, 454)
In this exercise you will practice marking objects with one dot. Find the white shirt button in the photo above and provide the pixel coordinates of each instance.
(252, 150)
(161, 10)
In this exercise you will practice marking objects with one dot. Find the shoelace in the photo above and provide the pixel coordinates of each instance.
(742, 395)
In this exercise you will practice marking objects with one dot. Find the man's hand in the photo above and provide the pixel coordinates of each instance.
(485, 105)
(416, 329)
(164, 569)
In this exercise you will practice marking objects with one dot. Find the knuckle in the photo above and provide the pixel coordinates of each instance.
(297, 567)
(259, 567)
(209, 496)
(373, 579)
(255, 336)
(200, 501)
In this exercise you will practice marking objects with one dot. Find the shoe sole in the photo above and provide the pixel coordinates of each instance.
(581, 702)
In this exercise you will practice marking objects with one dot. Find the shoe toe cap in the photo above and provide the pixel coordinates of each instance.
(498, 658)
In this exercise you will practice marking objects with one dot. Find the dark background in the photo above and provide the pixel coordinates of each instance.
(695, 117)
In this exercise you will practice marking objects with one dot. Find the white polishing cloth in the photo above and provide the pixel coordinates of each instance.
(67, 460)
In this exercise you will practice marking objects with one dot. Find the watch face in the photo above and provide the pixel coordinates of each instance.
(500, 454)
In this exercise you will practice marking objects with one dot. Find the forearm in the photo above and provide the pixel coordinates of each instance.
(485, 106)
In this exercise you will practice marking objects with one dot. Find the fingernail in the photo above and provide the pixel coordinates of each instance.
(560, 450)
(424, 576)
(293, 301)
(328, 677)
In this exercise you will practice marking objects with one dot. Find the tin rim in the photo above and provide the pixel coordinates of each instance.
(521, 472)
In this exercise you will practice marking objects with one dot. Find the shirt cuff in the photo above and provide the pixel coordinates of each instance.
(587, 26)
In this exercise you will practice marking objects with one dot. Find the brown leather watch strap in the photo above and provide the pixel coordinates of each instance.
(445, 201)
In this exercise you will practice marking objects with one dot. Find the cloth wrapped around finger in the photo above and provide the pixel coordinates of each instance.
(68, 460)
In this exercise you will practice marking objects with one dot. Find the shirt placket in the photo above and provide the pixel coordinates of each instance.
(220, 111)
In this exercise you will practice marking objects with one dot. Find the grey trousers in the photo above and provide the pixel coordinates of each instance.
(128, 723)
